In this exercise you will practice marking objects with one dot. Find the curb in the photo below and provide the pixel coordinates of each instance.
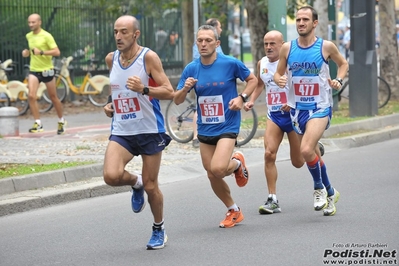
(50, 178)
(57, 196)
(364, 139)
(371, 124)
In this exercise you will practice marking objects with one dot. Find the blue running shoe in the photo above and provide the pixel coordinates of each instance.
(138, 201)
(158, 239)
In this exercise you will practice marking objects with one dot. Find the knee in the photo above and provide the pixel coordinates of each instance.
(151, 185)
(31, 96)
(307, 152)
(270, 157)
(112, 178)
(297, 162)
(217, 172)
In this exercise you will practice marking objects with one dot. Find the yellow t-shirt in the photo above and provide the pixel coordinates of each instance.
(43, 41)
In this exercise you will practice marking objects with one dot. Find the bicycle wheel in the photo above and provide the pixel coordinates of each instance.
(179, 120)
(4, 100)
(99, 98)
(98, 89)
(249, 125)
(62, 87)
(384, 92)
(21, 103)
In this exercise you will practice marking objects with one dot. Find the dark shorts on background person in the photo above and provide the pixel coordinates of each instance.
(40, 77)
(147, 144)
(213, 140)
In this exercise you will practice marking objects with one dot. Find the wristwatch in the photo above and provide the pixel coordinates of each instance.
(146, 90)
(41, 53)
(244, 97)
(339, 80)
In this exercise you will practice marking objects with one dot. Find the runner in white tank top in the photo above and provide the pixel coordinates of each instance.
(138, 82)
(278, 122)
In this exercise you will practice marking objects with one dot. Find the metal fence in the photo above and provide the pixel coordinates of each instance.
(75, 26)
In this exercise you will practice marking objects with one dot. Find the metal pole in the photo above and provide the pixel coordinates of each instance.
(333, 37)
(195, 15)
(278, 16)
(363, 92)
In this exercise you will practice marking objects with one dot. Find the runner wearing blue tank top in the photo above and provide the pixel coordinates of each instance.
(213, 77)
(310, 97)
(138, 82)
(278, 121)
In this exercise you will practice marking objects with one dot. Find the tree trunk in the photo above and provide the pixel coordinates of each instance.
(258, 27)
(321, 7)
(388, 51)
(188, 32)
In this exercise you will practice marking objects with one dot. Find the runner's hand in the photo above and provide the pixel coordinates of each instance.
(109, 110)
(282, 81)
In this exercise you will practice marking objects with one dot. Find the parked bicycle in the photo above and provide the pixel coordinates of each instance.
(17, 91)
(97, 87)
(179, 122)
(384, 91)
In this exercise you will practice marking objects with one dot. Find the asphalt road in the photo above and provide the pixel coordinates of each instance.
(104, 230)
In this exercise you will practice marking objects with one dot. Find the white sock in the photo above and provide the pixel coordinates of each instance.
(139, 182)
(38, 122)
(273, 196)
(234, 207)
(62, 120)
(238, 163)
(159, 225)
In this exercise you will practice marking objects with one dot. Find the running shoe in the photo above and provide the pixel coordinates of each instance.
(61, 126)
(330, 210)
(158, 239)
(270, 207)
(36, 128)
(321, 148)
(241, 174)
(232, 218)
(138, 201)
(320, 199)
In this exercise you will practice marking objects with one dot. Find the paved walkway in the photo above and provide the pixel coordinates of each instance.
(88, 143)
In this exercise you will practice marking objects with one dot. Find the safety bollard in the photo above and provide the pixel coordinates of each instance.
(9, 123)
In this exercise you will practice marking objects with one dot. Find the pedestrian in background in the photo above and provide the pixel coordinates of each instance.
(236, 47)
(138, 82)
(160, 39)
(173, 38)
(42, 48)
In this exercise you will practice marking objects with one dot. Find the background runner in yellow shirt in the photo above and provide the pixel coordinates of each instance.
(42, 48)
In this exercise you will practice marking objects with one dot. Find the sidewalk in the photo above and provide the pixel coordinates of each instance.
(180, 161)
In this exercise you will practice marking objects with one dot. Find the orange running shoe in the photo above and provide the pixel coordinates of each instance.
(232, 218)
(241, 174)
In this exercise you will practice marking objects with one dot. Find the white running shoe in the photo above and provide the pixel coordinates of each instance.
(330, 210)
(320, 199)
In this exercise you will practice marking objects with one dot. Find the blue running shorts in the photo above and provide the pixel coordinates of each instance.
(282, 120)
(301, 117)
(147, 144)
